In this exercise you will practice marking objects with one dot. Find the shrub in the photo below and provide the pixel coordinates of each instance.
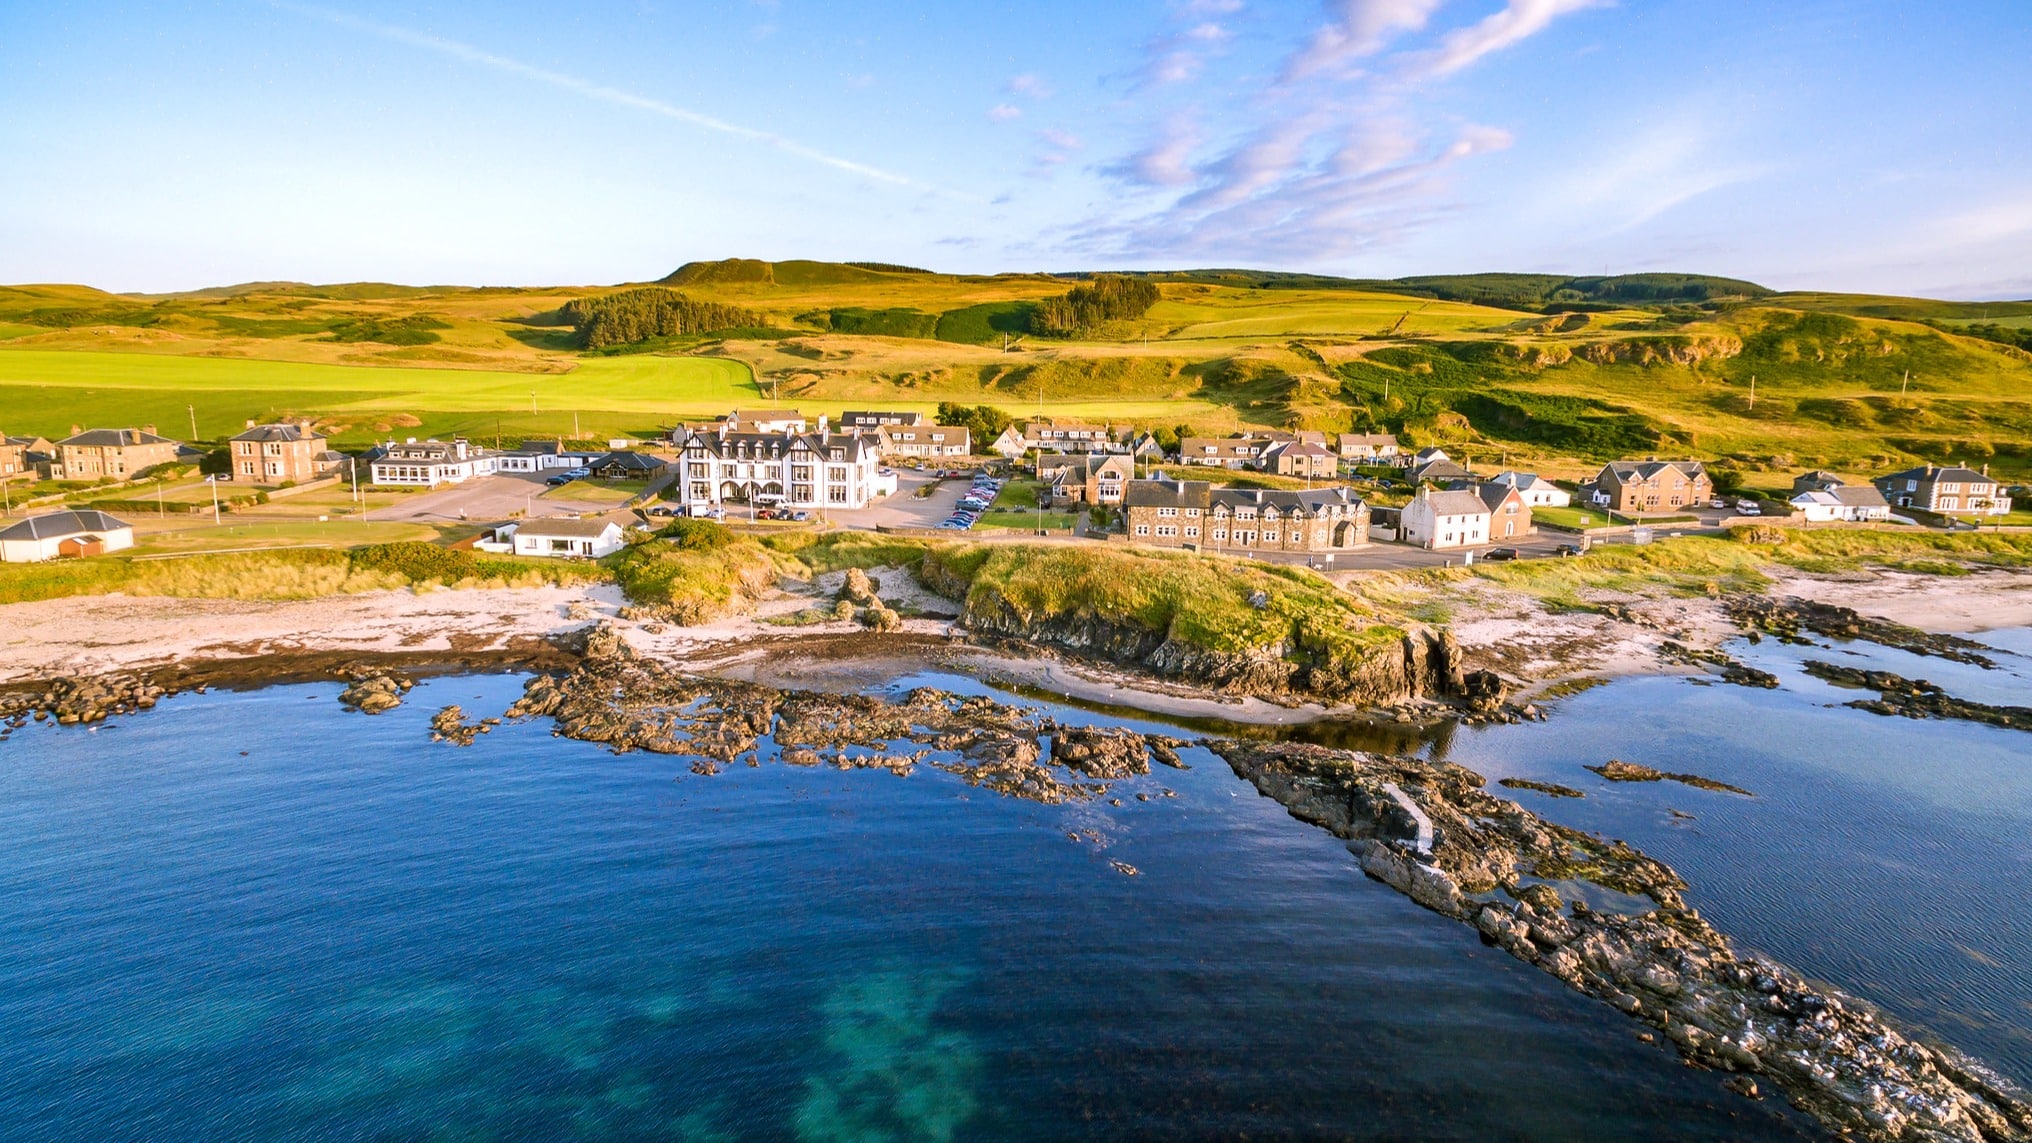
(416, 561)
(697, 535)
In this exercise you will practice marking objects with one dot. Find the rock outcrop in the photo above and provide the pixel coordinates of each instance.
(1917, 698)
(1786, 618)
(376, 692)
(1421, 664)
(1493, 865)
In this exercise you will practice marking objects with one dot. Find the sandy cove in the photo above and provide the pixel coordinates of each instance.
(1503, 630)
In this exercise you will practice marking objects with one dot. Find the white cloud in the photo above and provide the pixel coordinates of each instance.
(1004, 112)
(1029, 85)
(1362, 28)
(1519, 20)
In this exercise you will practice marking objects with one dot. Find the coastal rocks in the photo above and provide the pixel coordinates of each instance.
(1917, 698)
(1549, 789)
(1616, 770)
(1100, 752)
(450, 725)
(1785, 619)
(1731, 671)
(860, 588)
(376, 692)
(877, 617)
(83, 701)
(1501, 869)
(1482, 692)
(1420, 664)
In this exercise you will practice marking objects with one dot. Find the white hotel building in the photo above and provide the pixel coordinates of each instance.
(796, 470)
(430, 463)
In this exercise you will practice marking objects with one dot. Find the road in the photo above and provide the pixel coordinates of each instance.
(482, 500)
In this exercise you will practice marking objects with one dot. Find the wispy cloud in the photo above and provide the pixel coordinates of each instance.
(1029, 85)
(1004, 112)
(1333, 153)
(602, 92)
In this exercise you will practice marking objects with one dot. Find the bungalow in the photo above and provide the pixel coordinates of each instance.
(542, 456)
(1359, 448)
(1649, 485)
(1821, 496)
(925, 440)
(1950, 491)
(1450, 519)
(564, 538)
(1091, 478)
(64, 535)
(1298, 458)
(1435, 467)
(1537, 491)
(624, 465)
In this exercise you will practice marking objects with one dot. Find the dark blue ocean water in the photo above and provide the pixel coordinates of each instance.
(255, 916)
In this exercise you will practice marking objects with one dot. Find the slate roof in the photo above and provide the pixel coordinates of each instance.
(1953, 472)
(565, 529)
(1860, 496)
(1455, 502)
(113, 438)
(278, 432)
(635, 461)
(57, 525)
(1629, 470)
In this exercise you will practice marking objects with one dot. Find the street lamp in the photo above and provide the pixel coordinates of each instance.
(213, 481)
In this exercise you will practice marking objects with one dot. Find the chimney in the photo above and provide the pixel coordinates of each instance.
(77, 429)
(1986, 468)
(250, 422)
(149, 429)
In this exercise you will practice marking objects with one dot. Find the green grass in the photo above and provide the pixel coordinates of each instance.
(1571, 517)
(985, 324)
(296, 573)
(597, 491)
(240, 532)
(1196, 600)
(47, 391)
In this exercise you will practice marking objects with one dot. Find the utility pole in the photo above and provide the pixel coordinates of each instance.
(193, 411)
(532, 402)
(575, 427)
(1905, 382)
(1753, 391)
(214, 482)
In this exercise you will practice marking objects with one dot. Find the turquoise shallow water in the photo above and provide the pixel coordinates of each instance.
(255, 916)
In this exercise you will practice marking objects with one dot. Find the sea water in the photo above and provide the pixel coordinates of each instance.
(258, 916)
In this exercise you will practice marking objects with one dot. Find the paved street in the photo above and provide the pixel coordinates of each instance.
(481, 500)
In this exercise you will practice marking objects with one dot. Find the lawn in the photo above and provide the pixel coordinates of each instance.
(1571, 517)
(47, 391)
(597, 491)
(239, 532)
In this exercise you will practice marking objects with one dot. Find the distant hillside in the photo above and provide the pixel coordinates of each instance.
(1531, 292)
(797, 272)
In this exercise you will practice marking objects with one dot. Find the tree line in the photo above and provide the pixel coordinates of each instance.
(653, 311)
(1089, 305)
(985, 422)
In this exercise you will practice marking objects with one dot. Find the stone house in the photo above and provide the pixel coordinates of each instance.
(111, 454)
(1367, 448)
(1650, 485)
(1172, 513)
(1222, 452)
(1090, 478)
(19, 455)
(1454, 518)
(1537, 491)
(1950, 490)
(273, 454)
(1299, 458)
(1049, 435)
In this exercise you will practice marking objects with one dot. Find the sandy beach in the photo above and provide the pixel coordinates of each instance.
(1501, 630)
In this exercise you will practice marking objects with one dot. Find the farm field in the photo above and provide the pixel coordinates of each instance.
(1525, 370)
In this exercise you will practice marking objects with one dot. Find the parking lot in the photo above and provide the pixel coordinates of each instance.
(905, 509)
(481, 500)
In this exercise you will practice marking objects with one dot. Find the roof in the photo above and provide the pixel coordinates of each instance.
(1816, 496)
(1222, 446)
(1439, 468)
(57, 525)
(1524, 481)
(22, 442)
(1646, 469)
(565, 528)
(1086, 462)
(764, 415)
(1455, 502)
(1859, 496)
(640, 462)
(1952, 472)
(113, 438)
(1493, 494)
(869, 419)
(278, 432)
(1367, 440)
(1163, 492)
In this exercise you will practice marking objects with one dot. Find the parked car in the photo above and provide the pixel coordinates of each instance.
(662, 510)
(578, 473)
(1718, 502)
(1500, 554)
(768, 514)
(1565, 550)
(800, 515)
(558, 481)
(1749, 510)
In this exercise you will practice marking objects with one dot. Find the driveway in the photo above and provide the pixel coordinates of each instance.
(483, 499)
(903, 509)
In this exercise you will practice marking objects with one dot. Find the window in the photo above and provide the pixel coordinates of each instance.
(1167, 529)
(1270, 536)
(1167, 512)
(1142, 529)
(1192, 513)
(1220, 533)
(1191, 533)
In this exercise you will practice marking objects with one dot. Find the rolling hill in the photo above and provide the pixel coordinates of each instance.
(1553, 371)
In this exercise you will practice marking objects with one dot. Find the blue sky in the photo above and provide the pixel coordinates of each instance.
(1872, 146)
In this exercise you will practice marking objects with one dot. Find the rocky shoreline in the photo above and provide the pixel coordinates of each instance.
(1430, 831)
(1916, 698)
